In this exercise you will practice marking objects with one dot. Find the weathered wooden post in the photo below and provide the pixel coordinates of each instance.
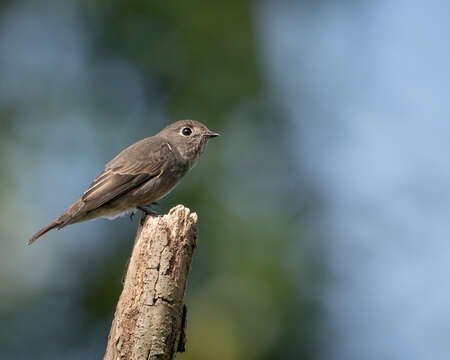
(150, 316)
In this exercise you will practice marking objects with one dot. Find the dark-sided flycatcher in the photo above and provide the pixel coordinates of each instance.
(141, 174)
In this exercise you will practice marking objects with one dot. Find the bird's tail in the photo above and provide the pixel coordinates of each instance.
(72, 215)
(43, 231)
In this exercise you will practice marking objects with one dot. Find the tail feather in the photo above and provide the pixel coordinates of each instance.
(71, 215)
(43, 231)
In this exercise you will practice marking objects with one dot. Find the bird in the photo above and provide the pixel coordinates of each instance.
(139, 175)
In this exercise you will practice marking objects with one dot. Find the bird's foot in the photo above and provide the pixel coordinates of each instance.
(146, 211)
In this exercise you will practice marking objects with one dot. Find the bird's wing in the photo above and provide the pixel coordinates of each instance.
(131, 168)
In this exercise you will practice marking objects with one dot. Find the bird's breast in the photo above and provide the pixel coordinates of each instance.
(160, 186)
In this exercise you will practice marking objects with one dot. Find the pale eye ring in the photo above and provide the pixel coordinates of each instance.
(186, 131)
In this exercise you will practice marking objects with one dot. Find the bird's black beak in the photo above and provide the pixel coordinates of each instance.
(211, 134)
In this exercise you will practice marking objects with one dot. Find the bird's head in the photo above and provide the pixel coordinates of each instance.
(189, 137)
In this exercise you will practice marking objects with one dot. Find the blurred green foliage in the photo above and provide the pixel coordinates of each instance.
(250, 293)
(202, 54)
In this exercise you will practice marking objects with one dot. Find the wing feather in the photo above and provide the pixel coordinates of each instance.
(111, 187)
(128, 170)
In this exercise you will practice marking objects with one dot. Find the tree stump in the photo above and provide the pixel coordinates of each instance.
(150, 316)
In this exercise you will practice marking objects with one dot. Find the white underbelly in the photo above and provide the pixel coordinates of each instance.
(116, 214)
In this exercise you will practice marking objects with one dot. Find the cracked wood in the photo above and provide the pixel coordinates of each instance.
(148, 322)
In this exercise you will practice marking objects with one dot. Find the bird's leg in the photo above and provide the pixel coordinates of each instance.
(146, 210)
(131, 216)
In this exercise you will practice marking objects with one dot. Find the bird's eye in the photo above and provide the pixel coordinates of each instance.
(186, 131)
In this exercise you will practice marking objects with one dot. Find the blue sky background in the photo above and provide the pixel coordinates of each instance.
(366, 88)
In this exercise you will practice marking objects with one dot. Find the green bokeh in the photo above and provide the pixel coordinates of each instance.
(250, 294)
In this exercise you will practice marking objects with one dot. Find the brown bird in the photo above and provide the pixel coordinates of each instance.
(141, 174)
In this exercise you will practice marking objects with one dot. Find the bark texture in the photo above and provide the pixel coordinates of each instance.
(149, 319)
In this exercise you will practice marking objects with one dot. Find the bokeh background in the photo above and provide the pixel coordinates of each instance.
(324, 207)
